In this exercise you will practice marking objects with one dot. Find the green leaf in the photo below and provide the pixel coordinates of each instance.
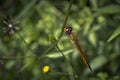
(115, 34)
(10, 64)
(111, 9)
(93, 38)
(102, 75)
(94, 3)
(96, 63)
(52, 39)
(57, 55)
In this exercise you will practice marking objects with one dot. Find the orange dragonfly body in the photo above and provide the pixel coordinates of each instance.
(73, 37)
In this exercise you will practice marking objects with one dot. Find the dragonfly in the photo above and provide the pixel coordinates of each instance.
(74, 39)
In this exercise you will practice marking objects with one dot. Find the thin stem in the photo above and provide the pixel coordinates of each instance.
(26, 43)
(65, 20)
(2, 59)
(19, 57)
(61, 73)
(42, 56)
(67, 62)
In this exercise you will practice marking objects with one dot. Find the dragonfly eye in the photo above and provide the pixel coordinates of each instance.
(68, 30)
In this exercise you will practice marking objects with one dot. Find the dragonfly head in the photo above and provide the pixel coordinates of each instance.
(68, 30)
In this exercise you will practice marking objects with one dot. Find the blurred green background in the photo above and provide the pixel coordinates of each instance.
(96, 23)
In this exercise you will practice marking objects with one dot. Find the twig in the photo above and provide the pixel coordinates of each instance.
(65, 20)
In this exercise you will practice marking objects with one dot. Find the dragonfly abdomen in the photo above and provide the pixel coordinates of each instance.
(76, 43)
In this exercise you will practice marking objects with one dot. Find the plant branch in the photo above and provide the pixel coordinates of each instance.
(65, 20)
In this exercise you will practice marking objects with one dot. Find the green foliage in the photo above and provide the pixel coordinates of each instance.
(110, 9)
(25, 53)
(115, 34)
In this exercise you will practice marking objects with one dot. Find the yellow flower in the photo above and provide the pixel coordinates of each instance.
(46, 69)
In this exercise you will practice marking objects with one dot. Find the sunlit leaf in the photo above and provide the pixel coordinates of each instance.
(96, 63)
(115, 34)
(52, 39)
(92, 38)
(102, 75)
(57, 55)
(111, 9)
(10, 64)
